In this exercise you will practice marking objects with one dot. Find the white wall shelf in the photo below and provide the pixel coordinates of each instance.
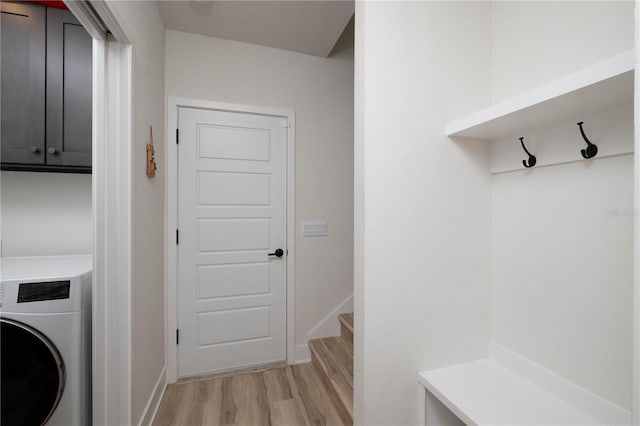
(508, 389)
(593, 88)
(485, 393)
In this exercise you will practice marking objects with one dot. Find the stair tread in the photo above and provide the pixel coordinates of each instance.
(346, 320)
(335, 359)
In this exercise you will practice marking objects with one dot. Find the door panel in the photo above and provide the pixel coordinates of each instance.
(217, 188)
(231, 214)
(248, 144)
(69, 90)
(233, 280)
(233, 234)
(248, 323)
(23, 83)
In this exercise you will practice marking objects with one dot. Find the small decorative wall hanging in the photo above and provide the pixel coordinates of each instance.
(151, 162)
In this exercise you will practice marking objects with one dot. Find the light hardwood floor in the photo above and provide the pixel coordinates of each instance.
(287, 396)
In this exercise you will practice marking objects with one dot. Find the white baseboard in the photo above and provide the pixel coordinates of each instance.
(151, 409)
(302, 354)
(581, 398)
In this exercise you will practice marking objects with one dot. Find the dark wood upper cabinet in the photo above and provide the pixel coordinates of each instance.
(23, 80)
(69, 90)
(60, 71)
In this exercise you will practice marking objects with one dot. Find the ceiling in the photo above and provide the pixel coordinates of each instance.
(311, 27)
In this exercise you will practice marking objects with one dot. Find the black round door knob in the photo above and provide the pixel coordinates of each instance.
(277, 253)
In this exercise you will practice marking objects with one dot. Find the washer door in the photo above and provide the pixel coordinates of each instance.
(32, 375)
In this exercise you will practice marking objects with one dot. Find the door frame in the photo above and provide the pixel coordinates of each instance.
(111, 194)
(171, 218)
(112, 206)
(111, 212)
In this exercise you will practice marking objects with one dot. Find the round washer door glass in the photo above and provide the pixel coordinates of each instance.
(32, 375)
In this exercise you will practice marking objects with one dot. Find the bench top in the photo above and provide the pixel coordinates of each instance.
(486, 393)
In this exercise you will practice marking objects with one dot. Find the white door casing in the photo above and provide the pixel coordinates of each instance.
(111, 206)
(232, 212)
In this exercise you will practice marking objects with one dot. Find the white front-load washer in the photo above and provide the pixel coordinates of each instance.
(45, 332)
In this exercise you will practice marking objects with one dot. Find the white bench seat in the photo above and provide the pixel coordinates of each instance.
(486, 393)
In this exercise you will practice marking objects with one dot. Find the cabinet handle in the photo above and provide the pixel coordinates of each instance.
(34, 149)
(52, 151)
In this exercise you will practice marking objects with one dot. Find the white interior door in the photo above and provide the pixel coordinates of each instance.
(232, 221)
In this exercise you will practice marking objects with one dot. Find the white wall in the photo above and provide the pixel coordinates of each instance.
(563, 235)
(422, 201)
(636, 298)
(321, 93)
(534, 42)
(563, 270)
(143, 25)
(559, 239)
(45, 214)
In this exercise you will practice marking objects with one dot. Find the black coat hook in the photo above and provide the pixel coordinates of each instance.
(532, 158)
(591, 150)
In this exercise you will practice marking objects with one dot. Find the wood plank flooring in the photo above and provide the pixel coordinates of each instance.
(333, 359)
(288, 396)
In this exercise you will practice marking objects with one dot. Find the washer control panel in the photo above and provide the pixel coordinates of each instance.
(44, 290)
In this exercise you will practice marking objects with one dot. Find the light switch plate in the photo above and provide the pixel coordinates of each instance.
(315, 228)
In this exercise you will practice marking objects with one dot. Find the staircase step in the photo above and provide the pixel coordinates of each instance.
(346, 328)
(333, 359)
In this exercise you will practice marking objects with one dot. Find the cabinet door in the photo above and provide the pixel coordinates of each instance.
(22, 34)
(69, 89)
